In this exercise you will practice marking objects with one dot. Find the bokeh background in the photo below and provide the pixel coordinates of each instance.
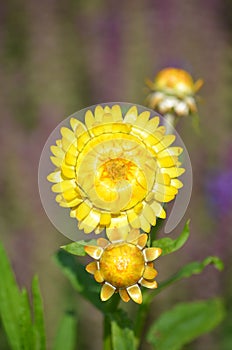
(57, 57)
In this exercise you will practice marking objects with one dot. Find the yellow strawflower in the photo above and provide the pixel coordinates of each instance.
(123, 266)
(115, 171)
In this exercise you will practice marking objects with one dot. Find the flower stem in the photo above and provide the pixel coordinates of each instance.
(107, 343)
(140, 320)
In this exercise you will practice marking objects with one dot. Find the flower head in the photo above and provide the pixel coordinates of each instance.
(115, 171)
(122, 266)
(173, 91)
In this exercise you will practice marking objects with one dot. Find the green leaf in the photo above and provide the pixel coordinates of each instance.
(184, 323)
(193, 268)
(80, 279)
(66, 335)
(39, 330)
(25, 322)
(10, 302)
(169, 245)
(122, 331)
(77, 248)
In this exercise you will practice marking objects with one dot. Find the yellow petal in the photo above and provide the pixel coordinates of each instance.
(107, 109)
(107, 291)
(71, 155)
(176, 183)
(68, 134)
(70, 194)
(55, 176)
(158, 209)
(138, 208)
(163, 179)
(149, 214)
(152, 124)
(133, 218)
(57, 151)
(68, 138)
(82, 140)
(164, 143)
(116, 113)
(120, 223)
(142, 241)
(56, 161)
(151, 254)
(135, 294)
(89, 119)
(68, 204)
(172, 172)
(167, 162)
(59, 143)
(165, 190)
(171, 151)
(77, 125)
(91, 267)
(105, 219)
(68, 171)
(133, 236)
(90, 222)
(153, 139)
(161, 129)
(102, 242)
(107, 118)
(131, 115)
(124, 295)
(98, 113)
(163, 198)
(149, 273)
(145, 226)
(148, 284)
(82, 211)
(142, 119)
(93, 251)
(64, 186)
(98, 276)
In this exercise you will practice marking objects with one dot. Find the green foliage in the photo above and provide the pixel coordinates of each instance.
(10, 301)
(122, 331)
(184, 323)
(79, 278)
(77, 248)
(38, 325)
(169, 245)
(188, 270)
(24, 331)
(66, 335)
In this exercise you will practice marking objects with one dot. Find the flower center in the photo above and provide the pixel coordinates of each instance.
(122, 264)
(116, 169)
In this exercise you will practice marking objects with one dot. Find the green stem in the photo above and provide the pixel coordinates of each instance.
(107, 343)
(139, 322)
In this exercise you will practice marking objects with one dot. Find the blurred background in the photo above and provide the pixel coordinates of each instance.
(57, 57)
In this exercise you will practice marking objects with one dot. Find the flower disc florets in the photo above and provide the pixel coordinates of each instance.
(122, 266)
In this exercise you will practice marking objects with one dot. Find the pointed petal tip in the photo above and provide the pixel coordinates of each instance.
(107, 291)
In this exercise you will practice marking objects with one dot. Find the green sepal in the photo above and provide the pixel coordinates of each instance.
(78, 247)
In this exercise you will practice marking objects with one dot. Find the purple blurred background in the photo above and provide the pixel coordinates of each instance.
(58, 57)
